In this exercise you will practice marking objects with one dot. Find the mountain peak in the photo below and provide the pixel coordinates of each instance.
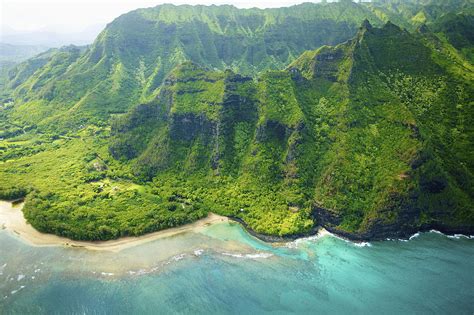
(391, 48)
(366, 25)
(389, 26)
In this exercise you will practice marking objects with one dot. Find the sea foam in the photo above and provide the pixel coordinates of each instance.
(198, 252)
(178, 257)
(2, 267)
(357, 244)
(414, 236)
(455, 236)
(248, 256)
(458, 236)
(297, 242)
(362, 244)
(15, 291)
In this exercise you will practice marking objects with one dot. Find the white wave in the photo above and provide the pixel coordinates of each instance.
(458, 236)
(357, 244)
(15, 291)
(109, 274)
(138, 272)
(233, 255)
(173, 259)
(414, 236)
(178, 257)
(292, 245)
(142, 272)
(455, 236)
(20, 277)
(198, 252)
(362, 244)
(260, 255)
(297, 242)
(249, 256)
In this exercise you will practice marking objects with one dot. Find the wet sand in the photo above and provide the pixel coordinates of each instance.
(12, 219)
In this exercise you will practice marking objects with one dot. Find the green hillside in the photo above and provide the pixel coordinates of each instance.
(359, 132)
(368, 133)
(129, 60)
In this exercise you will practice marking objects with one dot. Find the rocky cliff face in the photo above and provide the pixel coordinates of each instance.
(199, 110)
(417, 198)
(345, 135)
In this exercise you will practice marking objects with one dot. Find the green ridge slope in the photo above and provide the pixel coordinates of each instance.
(371, 138)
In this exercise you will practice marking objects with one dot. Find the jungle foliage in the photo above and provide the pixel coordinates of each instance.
(264, 115)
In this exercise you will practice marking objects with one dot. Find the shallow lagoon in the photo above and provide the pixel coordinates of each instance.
(222, 269)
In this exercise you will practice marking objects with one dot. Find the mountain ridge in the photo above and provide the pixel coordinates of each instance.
(148, 43)
(369, 138)
(347, 66)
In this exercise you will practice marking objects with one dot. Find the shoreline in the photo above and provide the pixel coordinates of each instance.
(12, 219)
(275, 239)
(402, 235)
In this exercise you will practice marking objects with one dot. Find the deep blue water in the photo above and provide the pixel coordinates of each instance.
(223, 270)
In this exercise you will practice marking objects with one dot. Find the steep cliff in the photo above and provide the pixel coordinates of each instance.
(367, 140)
(128, 61)
(160, 121)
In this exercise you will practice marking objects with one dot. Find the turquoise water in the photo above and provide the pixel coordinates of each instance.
(224, 270)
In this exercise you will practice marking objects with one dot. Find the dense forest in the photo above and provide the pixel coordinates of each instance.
(353, 116)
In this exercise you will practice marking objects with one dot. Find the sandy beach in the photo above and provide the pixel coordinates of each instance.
(12, 219)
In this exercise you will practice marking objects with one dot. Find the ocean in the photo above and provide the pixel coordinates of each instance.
(223, 270)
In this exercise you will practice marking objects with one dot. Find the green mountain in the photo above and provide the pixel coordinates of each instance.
(412, 13)
(10, 55)
(18, 53)
(370, 138)
(367, 137)
(129, 60)
(458, 30)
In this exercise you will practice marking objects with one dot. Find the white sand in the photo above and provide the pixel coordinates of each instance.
(12, 219)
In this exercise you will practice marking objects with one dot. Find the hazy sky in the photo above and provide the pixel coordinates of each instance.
(76, 15)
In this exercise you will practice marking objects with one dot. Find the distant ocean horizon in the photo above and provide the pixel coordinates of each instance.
(224, 270)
